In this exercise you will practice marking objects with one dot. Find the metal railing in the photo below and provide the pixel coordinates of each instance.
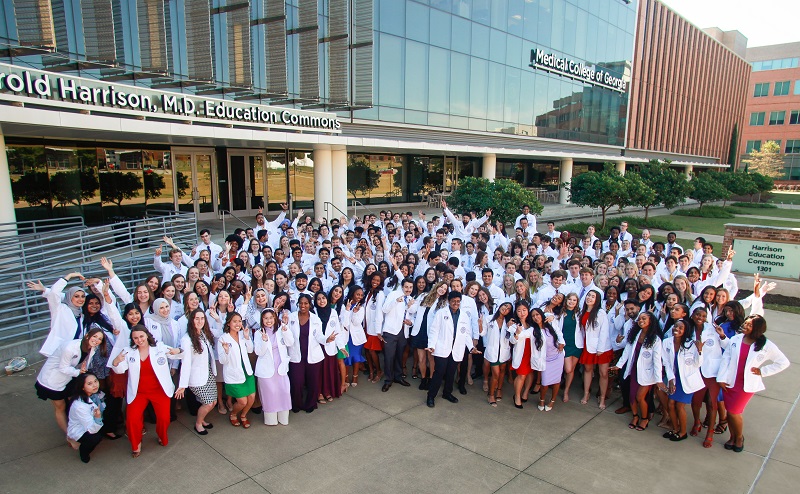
(33, 227)
(355, 208)
(327, 207)
(222, 213)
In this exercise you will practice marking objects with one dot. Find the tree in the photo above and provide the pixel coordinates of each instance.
(74, 186)
(762, 184)
(153, 185)
(34, 188)
(737, 183)
(116, 187)
(637, 192)
(707, 189)
(670, 185)
(767, 161)
(503, 196)
(602, 190)
(183, 184)
(361, 178)
(733, 148)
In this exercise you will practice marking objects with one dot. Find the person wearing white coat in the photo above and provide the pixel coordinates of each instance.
(86, 415)
(682, 356)
(272, 368)
(394, 331)
(66, 363)
(66, 317)
(594, 337)
(373, 321)
(198, 369)
(305, 354)
(528, 355)
(497, 352)
(352, 319)
(233, 348)
(424, 313)
(149, 381)
(448, 337)
(714, 342)
(553, 349)
(643, 355)
(740, 372)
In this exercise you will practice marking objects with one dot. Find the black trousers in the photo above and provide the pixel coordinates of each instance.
(477, 359)
(625, 388)
(88, 443)
(112, 416)
(445, 370)
(393, 347)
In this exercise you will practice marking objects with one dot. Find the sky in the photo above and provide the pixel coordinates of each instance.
(763, 22)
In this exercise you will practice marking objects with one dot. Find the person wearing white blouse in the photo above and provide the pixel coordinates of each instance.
(86, 415)
(233, 348)
(740, 372)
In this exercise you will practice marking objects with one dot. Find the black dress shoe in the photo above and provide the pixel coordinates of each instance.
(202, 433)
(450, 398)
(386, 387)
(430, 403)
(256, 410)
(738, 449)
(402, 382)
(462, 390)
(209, 426)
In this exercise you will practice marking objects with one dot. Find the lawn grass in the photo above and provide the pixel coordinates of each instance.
(716, 226)
(772, 213)
(784, 198)
(783, 308)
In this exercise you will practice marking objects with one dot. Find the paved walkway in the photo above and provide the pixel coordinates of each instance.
(373, 442)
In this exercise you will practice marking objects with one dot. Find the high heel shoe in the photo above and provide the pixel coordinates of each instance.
(549, 407)
(541, 405)
(634, 422)
(515, 404)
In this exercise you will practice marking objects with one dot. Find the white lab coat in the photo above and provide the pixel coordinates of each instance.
(712, 350)
(63, 365)
(63, 325)
(394, 313)
(496, 341)
(446, 339)
(81, 419)
(194, 368)
(752, 382)
(374, 314)
(354, 322)
(316, 339)
(333, 326)
(159, 356)
(595, 337)
(688, 368)
(235, 363)
(648, 366)
(526, 338)
(265, 365)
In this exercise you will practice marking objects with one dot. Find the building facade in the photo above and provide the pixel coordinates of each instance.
(773, 104)
(111, 108)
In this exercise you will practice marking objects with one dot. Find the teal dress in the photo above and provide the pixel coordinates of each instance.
(568, 328)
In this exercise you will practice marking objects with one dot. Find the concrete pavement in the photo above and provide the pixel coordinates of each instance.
(369, 441)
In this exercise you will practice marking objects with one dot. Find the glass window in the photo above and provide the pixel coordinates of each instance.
(757, 118)
(797, 86)
(557, 23)
(417, 21)
(512, 103)
(792, 146)
(516, 10)
(461, 35)
(753, 146)
(781, 88)
(390, 75)
(794, 117)
(459, 84)
(514, 56)
(416, 84)
(478, 88)
(481, 11)
(440, 28)
(777, 117)
(497, 82)
(499, 13)
(480, 41)
(30, 185)
(545, 18)
(377, 178)
(439, 80)
(762, 89)
(392, 17)
(497, 50)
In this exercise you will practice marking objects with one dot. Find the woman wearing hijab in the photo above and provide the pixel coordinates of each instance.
(66, 318)
(272, 367)
(167, 333)
(331, 386)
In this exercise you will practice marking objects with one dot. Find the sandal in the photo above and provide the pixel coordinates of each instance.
(640, 428)
(709, 440)
(135, 454)
(355, 381)
(722, 427)
(634, 422)
(245, 423)
(321, 401)
(696, 428)
(493, 403)
(541, 405)
(234, 420)
(549, 407)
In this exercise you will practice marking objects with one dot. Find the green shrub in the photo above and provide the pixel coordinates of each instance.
(754, 205)
(635, 225)
(708, 212)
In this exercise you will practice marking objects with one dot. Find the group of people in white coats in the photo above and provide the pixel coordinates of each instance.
(287, 315)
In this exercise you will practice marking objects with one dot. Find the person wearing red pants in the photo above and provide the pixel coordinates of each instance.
(149, 381)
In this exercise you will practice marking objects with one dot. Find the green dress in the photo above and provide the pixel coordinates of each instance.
(568, 328)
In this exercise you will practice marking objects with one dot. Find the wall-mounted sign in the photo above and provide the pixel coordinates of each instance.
(773, 259)
(55, 90)
(576, 70)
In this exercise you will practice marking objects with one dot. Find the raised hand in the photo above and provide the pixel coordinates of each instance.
(168, 241)
(158, 251)
(444, 204)
(331, 338)
(74, 275)
(284, 206)
(107, 264)
(731, 253)
(261, 209)
(226, 346)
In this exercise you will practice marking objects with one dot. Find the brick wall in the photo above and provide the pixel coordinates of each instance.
(734, 230)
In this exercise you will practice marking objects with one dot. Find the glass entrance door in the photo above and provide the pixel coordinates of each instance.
(247, 184)
(194, 183)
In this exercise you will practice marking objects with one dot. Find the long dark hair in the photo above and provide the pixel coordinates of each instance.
(649, 304)
(79, 393)
(687, 338)
(102, 347)
(226, 328)
(547, 327)
(759, 325)
(592, 313)
(150, 340)
(498, 315)
(130, 308)
(195, 339)
(651, 333)
(98, 319)
(738, 314)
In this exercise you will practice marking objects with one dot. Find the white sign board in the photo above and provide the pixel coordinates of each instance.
(774, 259)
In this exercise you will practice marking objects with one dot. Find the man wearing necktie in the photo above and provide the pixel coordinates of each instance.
(396, 319)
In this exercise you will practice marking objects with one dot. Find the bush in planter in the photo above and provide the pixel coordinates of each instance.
(504, 197)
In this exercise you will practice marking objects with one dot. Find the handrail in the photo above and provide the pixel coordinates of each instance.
(325, 207)
(32, 227)
(355, 209)
(222, 213)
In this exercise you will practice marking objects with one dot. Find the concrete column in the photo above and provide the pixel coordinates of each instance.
(489, 166)
(565, 175)
(339, 181)
(7, 213)
(322, 181)
(621, 167)
(688, 169)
